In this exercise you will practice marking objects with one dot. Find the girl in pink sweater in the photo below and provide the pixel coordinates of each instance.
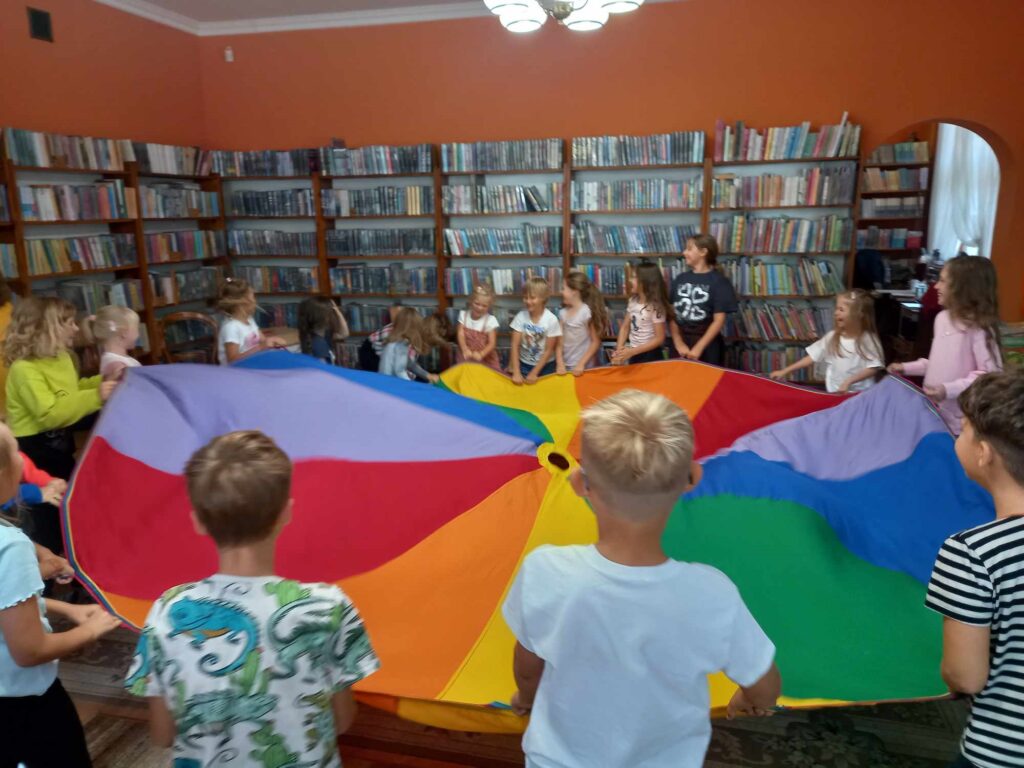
(966, 340)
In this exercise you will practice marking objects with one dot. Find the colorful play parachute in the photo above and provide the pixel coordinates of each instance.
(422, 501)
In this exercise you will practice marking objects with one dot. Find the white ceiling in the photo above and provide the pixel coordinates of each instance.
(239, 10)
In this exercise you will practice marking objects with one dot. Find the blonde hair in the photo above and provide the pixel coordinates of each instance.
(108, 322)
(482, 291)
(637, 449)
(234, 296)
(862, 310)
(408, 327)
(37, 328)
(537, 287)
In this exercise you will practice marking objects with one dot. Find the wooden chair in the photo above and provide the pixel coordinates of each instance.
(201, 350)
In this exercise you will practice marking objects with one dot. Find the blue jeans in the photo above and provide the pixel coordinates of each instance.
(526, 369)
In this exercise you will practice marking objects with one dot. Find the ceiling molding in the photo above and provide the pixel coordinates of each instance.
(422, 13)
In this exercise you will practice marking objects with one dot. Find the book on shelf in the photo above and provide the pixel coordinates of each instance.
(178, 287)
(271, 203)
(283, 314)
(268, 242)
(5, 211)
(483, 156)
(170, 159)
(588, 237)
(54, 150)
(184, 246)
(764, 360)
(377, 160)
(268, 162)
(901, 152)
(637, 194)
(895, 180)
(892, 207)
(504, 281)
(8, 260)
(89, 295)
(366, 318)
(73, 202)
(824, 186)
(809, 277)
(739, 143)
(679, 148)
(380, 242)
(279, 279)
(56, 255)
(495, 241)
(895, 238)
(469, 199)
(610, 279)
(379, 201)
(383, 279)
(770, 321)
(744, 234)
(181, 199)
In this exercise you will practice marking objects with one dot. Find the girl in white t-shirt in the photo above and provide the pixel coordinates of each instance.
(584, 321)
(641, 338)
(477, 332)
(116, 332)
(852, 352)
(239, 335)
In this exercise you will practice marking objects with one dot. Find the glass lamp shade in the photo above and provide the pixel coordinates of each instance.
(498, 7)
(592, 16)
(620, 6)
(527, 18)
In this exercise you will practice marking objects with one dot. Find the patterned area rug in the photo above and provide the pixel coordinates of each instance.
(921, 735)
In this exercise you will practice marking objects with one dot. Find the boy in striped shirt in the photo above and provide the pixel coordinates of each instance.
(978, 581)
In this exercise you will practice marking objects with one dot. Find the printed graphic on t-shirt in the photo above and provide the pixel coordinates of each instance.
(534, 339)
(690, 303)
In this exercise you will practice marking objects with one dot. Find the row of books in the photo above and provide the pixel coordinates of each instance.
(376, 160)
(268, 242)
(891, 207)
(268, 162)
(89, 295)
(279, 279)
(380, 201)
(177, 201)
(56, 255)
(637, 194)
(740, 143)
(759, 278)
(468, 199)
(271, 203)
(897, 237)
(588, 237)
(677, 148)
(165, 158)
(385, 279)
(765, 360)
(493, 241)
(609, 279)
(184, 246)
(54, 150)
(8, 260)
(180, 287)
(366, 318)
(505, 281)
(523, 155)
(779, 322)
(745, 234)
(278, 315)
(74, 202)
(832, 185)
(902, 152)
(380, 242)
(897, 180)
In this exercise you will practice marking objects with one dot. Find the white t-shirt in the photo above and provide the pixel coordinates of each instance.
(575, 335)
(535, 334)
(839, 369)
(246, 335)
(627, 652)
(109, 360)
(485, 324)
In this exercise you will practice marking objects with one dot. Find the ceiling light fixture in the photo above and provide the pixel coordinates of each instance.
(578, 15)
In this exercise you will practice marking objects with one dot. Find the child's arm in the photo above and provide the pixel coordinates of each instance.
(460, 337)
(915, 368)
(421, 373)
(965, 656)
(757, 699)
(527, 669)
(560, 355)
(717, 323)
(654, 343)
(549, 351)
(31, 645)
(984, 362)
(343, 704)
(595, 345)
(31, 387)
(867, 373)
(620, 341)
(492, 343)
(343, 331)
(806, 362)
(513, 358)
(677, 338)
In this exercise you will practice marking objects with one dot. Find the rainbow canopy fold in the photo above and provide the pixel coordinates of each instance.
(420, 502)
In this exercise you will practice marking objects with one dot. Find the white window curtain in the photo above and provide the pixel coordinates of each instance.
(965, 191)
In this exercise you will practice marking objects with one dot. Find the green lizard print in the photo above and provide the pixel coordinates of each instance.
(287, 592)
(320, 727)
(205, 619)
(309, 638)
(273, 752)
(220, 711)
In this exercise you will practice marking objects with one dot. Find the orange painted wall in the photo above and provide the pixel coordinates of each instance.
(666, 67)
(107, 73)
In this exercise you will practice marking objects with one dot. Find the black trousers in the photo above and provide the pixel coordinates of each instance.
(52, 452)
(650, 356)
(714, 353)
(42, 732)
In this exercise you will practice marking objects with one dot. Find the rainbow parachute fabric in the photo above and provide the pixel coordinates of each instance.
(421, 502)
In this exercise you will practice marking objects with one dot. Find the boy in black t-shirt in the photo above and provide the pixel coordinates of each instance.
(700, 301)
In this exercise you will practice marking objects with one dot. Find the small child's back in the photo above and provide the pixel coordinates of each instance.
(248, 666)
(627, 651)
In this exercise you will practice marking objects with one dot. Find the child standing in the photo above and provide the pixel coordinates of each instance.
(404, 345)
(650, 629)
(701, 299)
(38, 722)
(321, 323)
(966, 341)
(851, 352)
(535, 334)
(647, 309)
(239, 335)
(279, 656)
(477, 332)
(116, 331)
(584, 321)
(978, 581)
